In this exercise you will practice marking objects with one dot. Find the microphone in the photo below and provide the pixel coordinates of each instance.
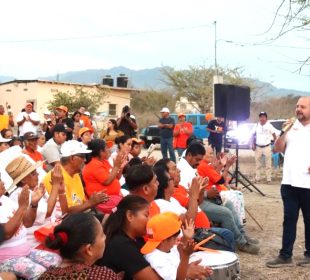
(287, 126)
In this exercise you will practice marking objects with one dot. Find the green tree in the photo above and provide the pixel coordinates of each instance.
(91, 99)
(196, 83)
(146, 105)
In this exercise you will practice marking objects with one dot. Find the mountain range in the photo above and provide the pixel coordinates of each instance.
(146, 78)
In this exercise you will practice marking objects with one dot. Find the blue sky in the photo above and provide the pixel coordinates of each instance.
(42, 38)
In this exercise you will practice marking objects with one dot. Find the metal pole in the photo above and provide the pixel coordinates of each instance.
(215, 42)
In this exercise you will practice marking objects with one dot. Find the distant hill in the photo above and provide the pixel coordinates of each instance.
(146, 78)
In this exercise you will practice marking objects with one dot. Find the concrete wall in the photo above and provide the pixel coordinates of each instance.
(40, 93)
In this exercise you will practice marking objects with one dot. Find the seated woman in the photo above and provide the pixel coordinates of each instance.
(99, 175)
(123, 147)
(42, 209)
(111, 133)
(16, 254)
(81, 242)
(124, 230)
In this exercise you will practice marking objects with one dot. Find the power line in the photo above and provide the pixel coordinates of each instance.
(107, 35)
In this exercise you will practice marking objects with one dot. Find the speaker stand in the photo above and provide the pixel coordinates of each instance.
(241, 178)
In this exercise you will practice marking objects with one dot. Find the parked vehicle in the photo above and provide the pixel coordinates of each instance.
(150, 135)
(199, 123)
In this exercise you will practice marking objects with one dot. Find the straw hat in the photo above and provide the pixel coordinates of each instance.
(19, 168)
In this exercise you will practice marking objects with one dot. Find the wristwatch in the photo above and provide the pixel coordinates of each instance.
(33, 206)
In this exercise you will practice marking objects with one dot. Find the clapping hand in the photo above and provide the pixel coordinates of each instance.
(97, 198)
(186, 247)
(189, 229)
(37, 194)
(23, 198)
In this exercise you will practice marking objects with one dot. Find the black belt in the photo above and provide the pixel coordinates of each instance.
(263, 146)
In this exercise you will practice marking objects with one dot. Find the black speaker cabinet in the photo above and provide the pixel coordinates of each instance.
(232, 102)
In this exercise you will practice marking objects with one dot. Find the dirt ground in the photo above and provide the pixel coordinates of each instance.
(268, 211)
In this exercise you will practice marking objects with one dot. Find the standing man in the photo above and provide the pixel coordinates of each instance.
(295, 188)
(28, 121)
(182, 131)
(62, 117)
(127, 122)
(5, 120)
(217, 129)
(263, 134)
(166, 126)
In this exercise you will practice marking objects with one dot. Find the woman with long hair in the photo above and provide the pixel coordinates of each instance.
(78, 124)
(124, 230)
(111, 132)
(81, 242)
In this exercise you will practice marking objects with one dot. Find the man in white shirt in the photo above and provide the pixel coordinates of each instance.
(188, 164)
(28, 121)
(263, 134)
(295, 187)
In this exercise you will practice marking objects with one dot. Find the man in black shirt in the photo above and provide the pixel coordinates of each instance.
(62, 117)
(166, 125)
(217, 129)
(127, 122)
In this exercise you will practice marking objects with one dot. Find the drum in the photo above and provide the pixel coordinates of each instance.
(225, 264)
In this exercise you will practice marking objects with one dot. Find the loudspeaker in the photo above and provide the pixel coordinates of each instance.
(232, 102)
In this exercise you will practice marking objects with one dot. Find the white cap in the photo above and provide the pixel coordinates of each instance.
(73, 147)
(47, 112)
(4, 140)
(87, 113)
(165, 110)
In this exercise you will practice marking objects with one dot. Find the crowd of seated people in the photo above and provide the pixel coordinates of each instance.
(102, 205)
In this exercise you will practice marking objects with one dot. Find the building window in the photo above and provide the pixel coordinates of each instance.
(25, 89)
(112, 109)
(8, 90)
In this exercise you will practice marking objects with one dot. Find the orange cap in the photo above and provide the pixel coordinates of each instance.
(83, 130)
(159, 228)
(209, 116)
(181, 115)
(139, 141)
(63, 108)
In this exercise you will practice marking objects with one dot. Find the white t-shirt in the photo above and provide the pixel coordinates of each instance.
(187, 174)
(27, 126)
(264, 133)
(51, 152)
(170, 206)
(7, 209)
(40, 217)
(297, 156)
(165, 264)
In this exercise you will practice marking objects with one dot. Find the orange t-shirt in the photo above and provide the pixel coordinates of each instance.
(87, 123)
(36, 156)
(180, 140)
(95, 173)
(181, 195)
(207, 170)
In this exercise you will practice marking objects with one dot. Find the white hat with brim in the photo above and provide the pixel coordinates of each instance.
(4, 140)
(18, 169)
(165, 110)
(73, 147)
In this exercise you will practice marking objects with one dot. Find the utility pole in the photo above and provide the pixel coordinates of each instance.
(215, 42)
